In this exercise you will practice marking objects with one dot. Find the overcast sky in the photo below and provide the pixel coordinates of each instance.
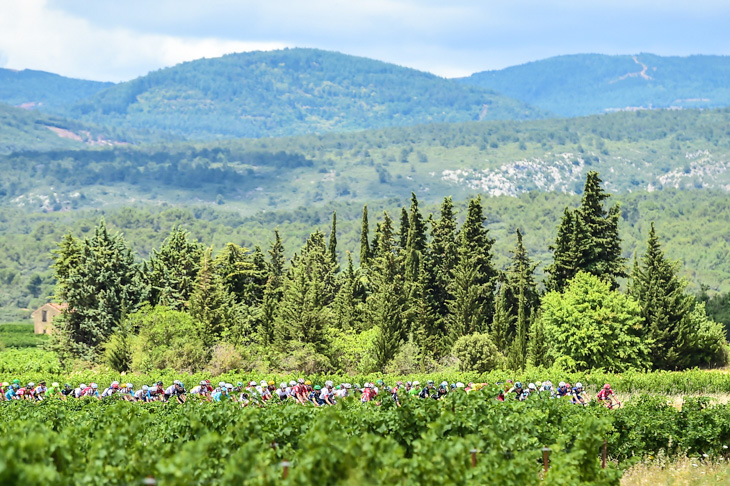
(117, 40)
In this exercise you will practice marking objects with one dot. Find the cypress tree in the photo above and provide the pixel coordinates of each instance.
(416, 242)
(332, 244)
(346, 306)
(99, 280)
(171, 272)
(588, 240)
(404, 228)
(364, 235)
(502, 322)
(520, 279)
(665, 307)
(276, 262)
(517, 357)
(466, 311)
(209, 302)
(538, 349)
(443, 255)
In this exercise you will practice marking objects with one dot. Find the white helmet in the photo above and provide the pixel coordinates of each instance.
(264, 383)
(292, 383)
(532, 386)
(94, 385)
(177, 382)
(301, 380)
(229, 386)
(459, 385)
(579, 385)
(561, 384)
(31, 384)
(282, 386)
(445, 384)
(82, 386)
(416, 383)
(347, 386)
(252, 383)
(145, 388)
(202, 383)
(221, 384)
(115, 383)
(129, 385)
(328, 383)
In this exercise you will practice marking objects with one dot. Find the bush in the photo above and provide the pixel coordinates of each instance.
(225, 358)
(478, 353)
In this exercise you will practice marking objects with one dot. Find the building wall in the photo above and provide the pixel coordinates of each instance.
(43, 319)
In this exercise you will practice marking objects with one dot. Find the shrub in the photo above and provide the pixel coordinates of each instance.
(477, 352)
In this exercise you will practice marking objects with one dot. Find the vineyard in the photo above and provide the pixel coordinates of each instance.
(463, 439)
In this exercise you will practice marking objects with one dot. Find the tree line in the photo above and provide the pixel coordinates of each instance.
(426, 293)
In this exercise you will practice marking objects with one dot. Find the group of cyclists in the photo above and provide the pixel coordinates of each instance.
(300, 391)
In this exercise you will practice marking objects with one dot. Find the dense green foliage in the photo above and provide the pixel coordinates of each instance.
(20, 335)
(80, 441)
(582, 84)
(290, 317)
(290, 91)
(38, 89)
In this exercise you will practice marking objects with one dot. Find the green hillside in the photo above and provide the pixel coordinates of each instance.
(636, 151)
(291, 91)
(39, 89)
(584, 84)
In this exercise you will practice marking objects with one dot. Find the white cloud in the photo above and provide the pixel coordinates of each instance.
(34, 36)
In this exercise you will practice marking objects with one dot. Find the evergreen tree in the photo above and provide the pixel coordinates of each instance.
(415, 243)
(308, 289)
(404, 228)
(171, 271)
(443, 255)
(364, 235)
(538, 349)
(588, 240)
(100, 282)
(209, 302)
(517, 357)
(474, 276)
(502, 322)
(346, 307)
(520, 280)
(332, 244)
(276, 261)
(665, 307)
(242, 273)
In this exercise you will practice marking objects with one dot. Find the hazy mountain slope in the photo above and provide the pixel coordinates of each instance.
(584, 84)
(292, 91)
(39, 89)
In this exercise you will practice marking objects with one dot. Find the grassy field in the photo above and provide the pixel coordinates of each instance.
(20, 335)
(681, 472)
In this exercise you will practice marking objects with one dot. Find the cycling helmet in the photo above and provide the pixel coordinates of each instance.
(176, 382)
(207, 382)
(518, 384)
(5, 383)
(301, 380)
(145, 388)
(271, 382)
(532, 386)
(239, 384)
(347, 386)
(328, 383)
(317, 387)
(379, 382)
(129, 385)
(416, 383)
(459, 384)
(357, 386)
(579, 385)
(202, 383)
(221, 384)
(307, 382)
(408, 383)
(115, 383)
(115, 386)
(282, 386)
(83, 385)
(67, 385)
(94, 386)
(561, 384)
(264, 383)
(606, 386)
(292, 383)
(399, 383)
(159, 383)
(250, 383)
(31, 384)
(54, 384)
(430, 382)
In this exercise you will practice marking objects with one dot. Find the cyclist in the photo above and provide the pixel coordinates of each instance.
(562, 390)
(577, 395)
(428, 391)
(606, 397)
(177, 390)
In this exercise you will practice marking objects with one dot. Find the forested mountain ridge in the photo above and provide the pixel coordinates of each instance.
(583, 84)
(290, 91)
(39, 89)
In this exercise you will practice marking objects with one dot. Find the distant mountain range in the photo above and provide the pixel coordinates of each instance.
(39, 89)
(585, 84)
(301, 91)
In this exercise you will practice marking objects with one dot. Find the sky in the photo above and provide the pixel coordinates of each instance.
(115, 40)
